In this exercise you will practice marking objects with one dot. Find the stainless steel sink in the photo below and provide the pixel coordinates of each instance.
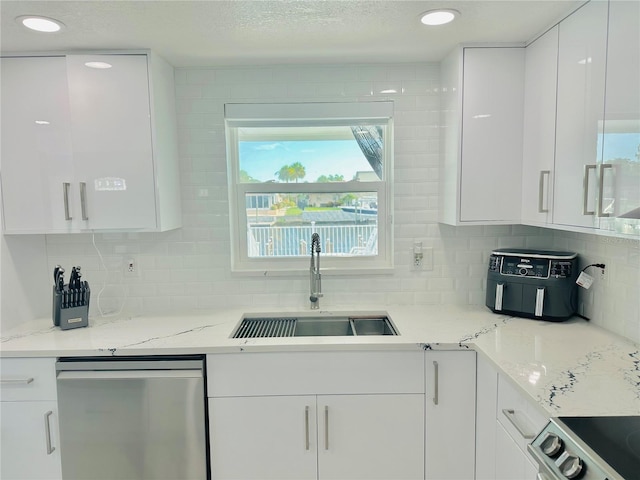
(373, 326)
(313, 326)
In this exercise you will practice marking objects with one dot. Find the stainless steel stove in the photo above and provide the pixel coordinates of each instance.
(589, 448)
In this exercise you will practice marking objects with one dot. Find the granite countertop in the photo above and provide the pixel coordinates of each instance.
(567, 368)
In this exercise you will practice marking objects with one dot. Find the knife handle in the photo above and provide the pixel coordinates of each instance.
(59, 278)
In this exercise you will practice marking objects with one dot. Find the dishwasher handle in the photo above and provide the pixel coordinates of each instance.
(126, 374)
(130, 364)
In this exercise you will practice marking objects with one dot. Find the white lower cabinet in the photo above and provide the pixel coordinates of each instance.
(272, 438)
(511, 464)
(518, 422)
(29, 434)
(309, 437)
(370, 436)
(30, 445)
(506, 422)
(450, 415)
(317, 415)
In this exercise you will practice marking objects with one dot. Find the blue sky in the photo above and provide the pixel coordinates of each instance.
(262, 160)
(621, 145)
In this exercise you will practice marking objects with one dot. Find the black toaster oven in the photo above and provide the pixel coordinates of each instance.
(533, 283)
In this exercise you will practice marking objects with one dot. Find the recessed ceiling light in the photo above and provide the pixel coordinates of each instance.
(389, 90)
(98, 65)
(42, 122)
(40, 24)
(438, 17)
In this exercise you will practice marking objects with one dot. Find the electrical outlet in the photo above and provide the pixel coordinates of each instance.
(417, 256)
(131, 268)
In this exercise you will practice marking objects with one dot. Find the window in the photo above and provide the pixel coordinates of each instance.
(298, 169)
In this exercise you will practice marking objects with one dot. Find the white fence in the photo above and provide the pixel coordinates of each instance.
(292, 241)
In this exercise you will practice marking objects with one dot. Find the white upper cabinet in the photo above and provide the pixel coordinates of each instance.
(580, 110)
(37, 156)
(111, 134)
(483, 96)
(620, 193)
(88, 148)
(541, 73)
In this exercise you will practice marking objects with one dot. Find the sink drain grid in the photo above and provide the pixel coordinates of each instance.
(266, 327)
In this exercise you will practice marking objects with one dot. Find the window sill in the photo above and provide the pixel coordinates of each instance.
(295, 272)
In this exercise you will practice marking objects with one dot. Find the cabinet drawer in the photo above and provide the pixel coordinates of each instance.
(517, 414)
(27, 379)
(246, 374)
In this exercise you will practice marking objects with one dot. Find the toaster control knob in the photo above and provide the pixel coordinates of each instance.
(551, 445)
(570, 466)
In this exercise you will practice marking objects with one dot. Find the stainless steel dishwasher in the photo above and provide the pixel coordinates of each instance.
(126, 418)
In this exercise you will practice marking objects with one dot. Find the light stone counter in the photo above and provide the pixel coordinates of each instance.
(568, 368)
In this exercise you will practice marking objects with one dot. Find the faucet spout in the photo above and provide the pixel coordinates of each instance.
(315, 279)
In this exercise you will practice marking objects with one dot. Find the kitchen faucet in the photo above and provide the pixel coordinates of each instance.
(315, 283)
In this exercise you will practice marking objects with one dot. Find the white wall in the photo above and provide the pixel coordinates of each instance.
(190, 268)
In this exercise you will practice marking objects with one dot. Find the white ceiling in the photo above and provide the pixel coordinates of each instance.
(236, 32)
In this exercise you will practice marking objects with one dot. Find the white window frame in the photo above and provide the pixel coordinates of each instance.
(300, 115)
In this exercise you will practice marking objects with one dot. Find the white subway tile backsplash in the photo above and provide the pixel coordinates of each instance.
(189, 268)
(197, 77)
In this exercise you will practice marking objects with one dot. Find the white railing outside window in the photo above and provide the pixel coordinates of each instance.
(293, 241)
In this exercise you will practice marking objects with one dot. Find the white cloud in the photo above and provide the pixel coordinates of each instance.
(268, 146)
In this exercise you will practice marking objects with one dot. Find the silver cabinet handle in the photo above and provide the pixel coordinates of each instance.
(83, 200)
(306, 428)
(585, 190)
(47, 432)
(65, 196)
(326, 427)
(17, 381)
(510, 414)
(436, 383)
(603, 166)
(541, 208)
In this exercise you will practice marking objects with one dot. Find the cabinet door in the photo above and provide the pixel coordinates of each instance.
(492, 111)
(510, 460)
(450, 412)
(111, 128)
(487, 400)
(621, 137)
(541, 73)
(371, 437)
(30, 442)
(263, 437)
(36, 146)
(580, 111)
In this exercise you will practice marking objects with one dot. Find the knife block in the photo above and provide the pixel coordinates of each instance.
(67, 317)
